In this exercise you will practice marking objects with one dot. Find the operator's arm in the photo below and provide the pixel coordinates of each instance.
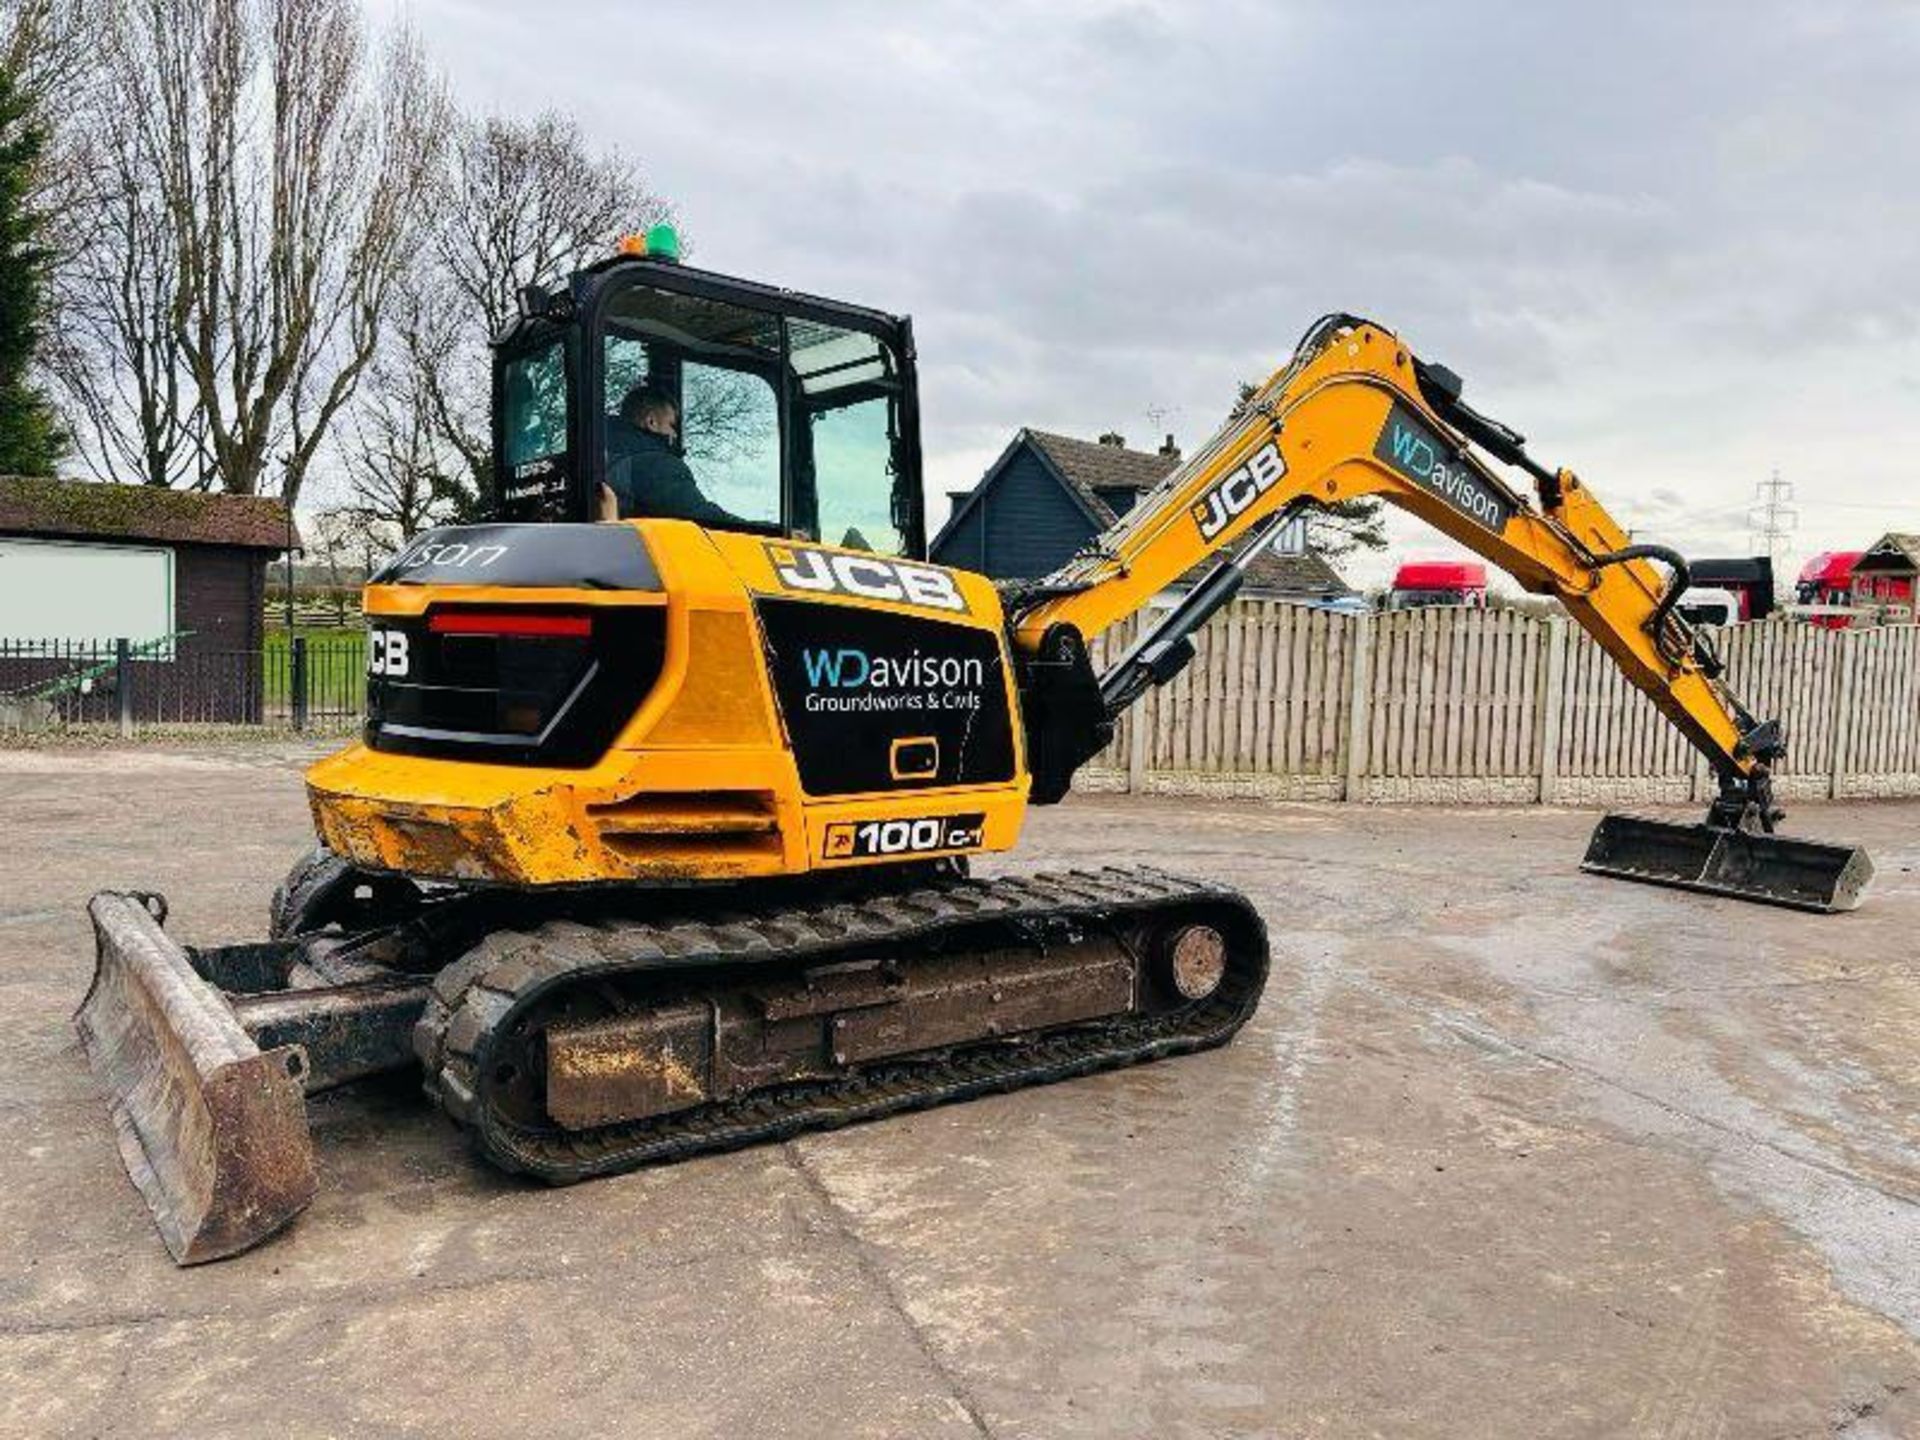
(1355, 415)
(659, 484)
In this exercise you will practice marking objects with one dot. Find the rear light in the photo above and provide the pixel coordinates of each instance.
(508, 622)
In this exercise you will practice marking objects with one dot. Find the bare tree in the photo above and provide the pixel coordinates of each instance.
(44, 45)
(341, 547)
(265, 168)
(519, 203)
(397, 469)
(115, 350)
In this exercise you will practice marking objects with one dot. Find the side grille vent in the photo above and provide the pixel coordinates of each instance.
(684, 822)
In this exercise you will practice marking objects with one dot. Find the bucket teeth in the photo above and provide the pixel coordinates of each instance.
(1770, 869)
(213, 1129)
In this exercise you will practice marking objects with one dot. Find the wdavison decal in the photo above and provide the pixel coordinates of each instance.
(877, 700)
(447, 555)
(583, 557)
(869, 577)
(851, 839)
(1228, 498)
(1420, 455)
(851, 678)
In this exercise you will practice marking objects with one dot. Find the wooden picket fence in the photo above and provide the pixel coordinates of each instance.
(1496, 706)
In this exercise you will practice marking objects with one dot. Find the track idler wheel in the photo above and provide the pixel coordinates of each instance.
(1193, 961)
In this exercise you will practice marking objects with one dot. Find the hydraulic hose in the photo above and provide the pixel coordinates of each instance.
(1677, 584)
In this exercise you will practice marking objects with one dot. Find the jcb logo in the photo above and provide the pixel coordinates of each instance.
(1229, 497)
(801, 567)
(387, 653)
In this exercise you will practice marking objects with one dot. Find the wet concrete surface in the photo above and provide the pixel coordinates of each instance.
(1508, 1150)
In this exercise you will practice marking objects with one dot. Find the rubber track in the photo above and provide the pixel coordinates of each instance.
(477, 998)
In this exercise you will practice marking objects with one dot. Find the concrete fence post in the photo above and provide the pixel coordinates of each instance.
(1359, 695)
(1137, 747)
(1553, 704)
(123, 684)
(1839, 724)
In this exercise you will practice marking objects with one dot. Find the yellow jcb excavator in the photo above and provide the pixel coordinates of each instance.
(656, 840)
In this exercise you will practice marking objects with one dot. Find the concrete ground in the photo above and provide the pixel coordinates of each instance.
(1507, 1151)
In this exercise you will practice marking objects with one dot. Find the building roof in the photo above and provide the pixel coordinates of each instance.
(1095, 473)
(1305, 574)
(82, 509)
(1091, 467)
(1084, 469)
(1892, 553)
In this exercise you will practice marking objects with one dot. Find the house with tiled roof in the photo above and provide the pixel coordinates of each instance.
(1048, 494)
(1888, 574)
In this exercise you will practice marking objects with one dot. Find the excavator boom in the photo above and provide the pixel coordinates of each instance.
(1356, 415)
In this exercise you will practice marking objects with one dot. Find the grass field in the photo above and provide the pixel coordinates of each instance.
(336, 669)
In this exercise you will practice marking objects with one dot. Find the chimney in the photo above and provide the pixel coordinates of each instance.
(1114, 440)
(1170, 450)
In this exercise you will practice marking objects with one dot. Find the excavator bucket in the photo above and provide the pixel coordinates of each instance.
(212, 1128)
(1771, 869)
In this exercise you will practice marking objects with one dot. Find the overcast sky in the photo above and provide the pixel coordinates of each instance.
(1675, 244)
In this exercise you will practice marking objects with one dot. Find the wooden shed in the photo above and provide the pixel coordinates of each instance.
(179, 574)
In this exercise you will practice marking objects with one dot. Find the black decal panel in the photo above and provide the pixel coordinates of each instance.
(876, 701)
(572, 557)
(1413, 450)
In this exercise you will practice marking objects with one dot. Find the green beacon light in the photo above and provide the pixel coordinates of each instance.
(662, 242)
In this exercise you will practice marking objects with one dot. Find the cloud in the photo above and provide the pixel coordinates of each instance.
(1673, 244)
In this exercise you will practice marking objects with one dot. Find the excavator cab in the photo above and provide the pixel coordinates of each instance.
(794, 416)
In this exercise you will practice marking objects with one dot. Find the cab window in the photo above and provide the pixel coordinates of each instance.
(849, 392)
(730, 436)
(742, 418)
(536, 401)
(692, 416)
(853, 459)
(532, 478)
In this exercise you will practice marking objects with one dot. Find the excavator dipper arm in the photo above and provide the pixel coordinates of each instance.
(1354, 415)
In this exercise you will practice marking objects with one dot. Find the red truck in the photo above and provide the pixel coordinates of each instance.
(1421, 583)
(1827, 579)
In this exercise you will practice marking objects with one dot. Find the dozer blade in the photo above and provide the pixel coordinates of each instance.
(1771, 869)
(213, 1130)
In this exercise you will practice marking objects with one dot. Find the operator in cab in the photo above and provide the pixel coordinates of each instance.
(645, 477)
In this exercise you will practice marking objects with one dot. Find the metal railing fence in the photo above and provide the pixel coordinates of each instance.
(305, 682)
